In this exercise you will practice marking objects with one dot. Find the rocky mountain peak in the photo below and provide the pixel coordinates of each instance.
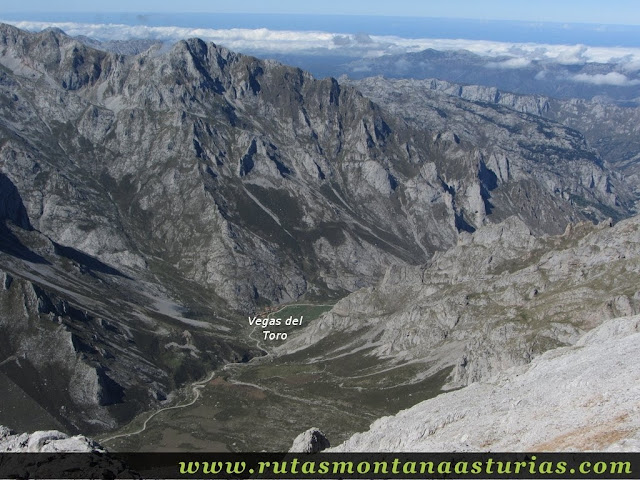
(243, 136)
(145, 193)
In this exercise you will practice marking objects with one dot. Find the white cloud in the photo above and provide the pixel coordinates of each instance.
(515, 62)
(629, 64)
(262, 40)
(611, 78)
(569, 54)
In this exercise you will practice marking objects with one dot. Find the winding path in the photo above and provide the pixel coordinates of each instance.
(12, 358)
(232, 366)
(196, 388)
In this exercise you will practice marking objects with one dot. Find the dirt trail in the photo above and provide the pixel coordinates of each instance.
(196, 388)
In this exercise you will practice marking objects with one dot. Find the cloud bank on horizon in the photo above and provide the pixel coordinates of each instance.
(507, 55)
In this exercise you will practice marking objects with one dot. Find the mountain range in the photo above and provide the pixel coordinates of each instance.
(150, 202)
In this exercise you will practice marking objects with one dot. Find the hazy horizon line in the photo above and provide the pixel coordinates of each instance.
(328, 15)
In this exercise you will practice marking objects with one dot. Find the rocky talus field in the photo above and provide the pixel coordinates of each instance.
(579, 398)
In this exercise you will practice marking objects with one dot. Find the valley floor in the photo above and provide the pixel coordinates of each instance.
(265, 403)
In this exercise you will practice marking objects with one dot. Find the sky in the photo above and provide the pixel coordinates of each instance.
(603, 35)
(624, 12)
(584, 32)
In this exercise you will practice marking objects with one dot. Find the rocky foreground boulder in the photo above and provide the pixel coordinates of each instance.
(311, 441)
(45, 441)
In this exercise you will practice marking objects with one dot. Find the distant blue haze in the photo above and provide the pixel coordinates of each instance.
(407, 27)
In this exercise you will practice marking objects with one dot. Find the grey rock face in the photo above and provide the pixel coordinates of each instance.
(311, 441)
(257, 180)
(581, 398)
(142, 195)
(500, 298)
(510, 145)
(11, 206)
(52, 352)
(123, 47)
(95, 463)
(45, 441)
(86, 348)
(611, 129)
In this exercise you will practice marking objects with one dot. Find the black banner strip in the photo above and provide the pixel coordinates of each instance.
(321, 465)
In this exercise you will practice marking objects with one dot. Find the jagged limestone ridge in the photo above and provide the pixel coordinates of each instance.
(499, 298)
(276, 180)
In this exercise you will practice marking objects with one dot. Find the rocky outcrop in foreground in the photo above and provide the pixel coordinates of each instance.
(579, 398)
(53, 461)
(311, 441)
(45, 441)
